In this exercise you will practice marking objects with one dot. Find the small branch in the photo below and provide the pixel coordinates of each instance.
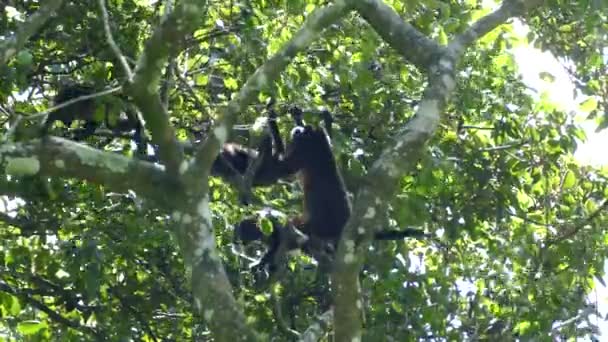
(25, 225)
(504, 147)
(125, 303)
(245, 182)
(47, 288)
(528, 220)
(508, 9)
(168, 38)
(166, 87)
(194, 97)
(278, 315)
(476, 127)
(72, 101)
(12, 45)
(165, 90)
(50, 313)
(577, 228)
(319, 328)
(112, 42)
(584, 313)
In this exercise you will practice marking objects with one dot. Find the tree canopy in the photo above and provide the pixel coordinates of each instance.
(433, 129)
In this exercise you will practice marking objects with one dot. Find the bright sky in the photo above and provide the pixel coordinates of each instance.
(531, 62)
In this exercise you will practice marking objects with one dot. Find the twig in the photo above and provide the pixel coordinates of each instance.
(508, 9)
(584, 313)
(110, 39)
(197, 102)
(504, 147)
(72, 101)
(278, 315)
(318, 328)
(580, 226)
(50, 313)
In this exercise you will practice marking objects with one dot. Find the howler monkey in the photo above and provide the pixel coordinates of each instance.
(86, 109)
(326, 206)
(234, 159)
(82, 110)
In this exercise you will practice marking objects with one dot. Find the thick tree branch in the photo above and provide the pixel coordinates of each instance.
(58, 157)
(382, 180)
(144, 89)
(12, 45)
(403, 37)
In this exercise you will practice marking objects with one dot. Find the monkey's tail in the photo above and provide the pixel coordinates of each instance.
(393, 234)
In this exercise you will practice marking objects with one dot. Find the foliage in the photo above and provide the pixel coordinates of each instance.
(516, 223)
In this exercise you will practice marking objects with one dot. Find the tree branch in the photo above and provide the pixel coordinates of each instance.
(415, 47)
(319, 328)
(25, 225)
(574, 228)
(58, 157)
(144, 89)
(112, 42)
(507, 10)
(50, 312)
(72, 101)
(558, 326)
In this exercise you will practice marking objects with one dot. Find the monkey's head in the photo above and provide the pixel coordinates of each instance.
(247, 231)
(308, 147)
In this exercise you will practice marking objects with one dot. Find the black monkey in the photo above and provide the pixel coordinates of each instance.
(326, 205)
(234, 159)
(281, 237)
(328, 119)
(85, 110)
(82, 110)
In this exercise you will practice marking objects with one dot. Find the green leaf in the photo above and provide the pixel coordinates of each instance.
(260, 298)
(15, 307)
(24, 57)
(569, 180)
(231, 83)
(31, 327)
(588, 105)
(442, 37)
(266, 226)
